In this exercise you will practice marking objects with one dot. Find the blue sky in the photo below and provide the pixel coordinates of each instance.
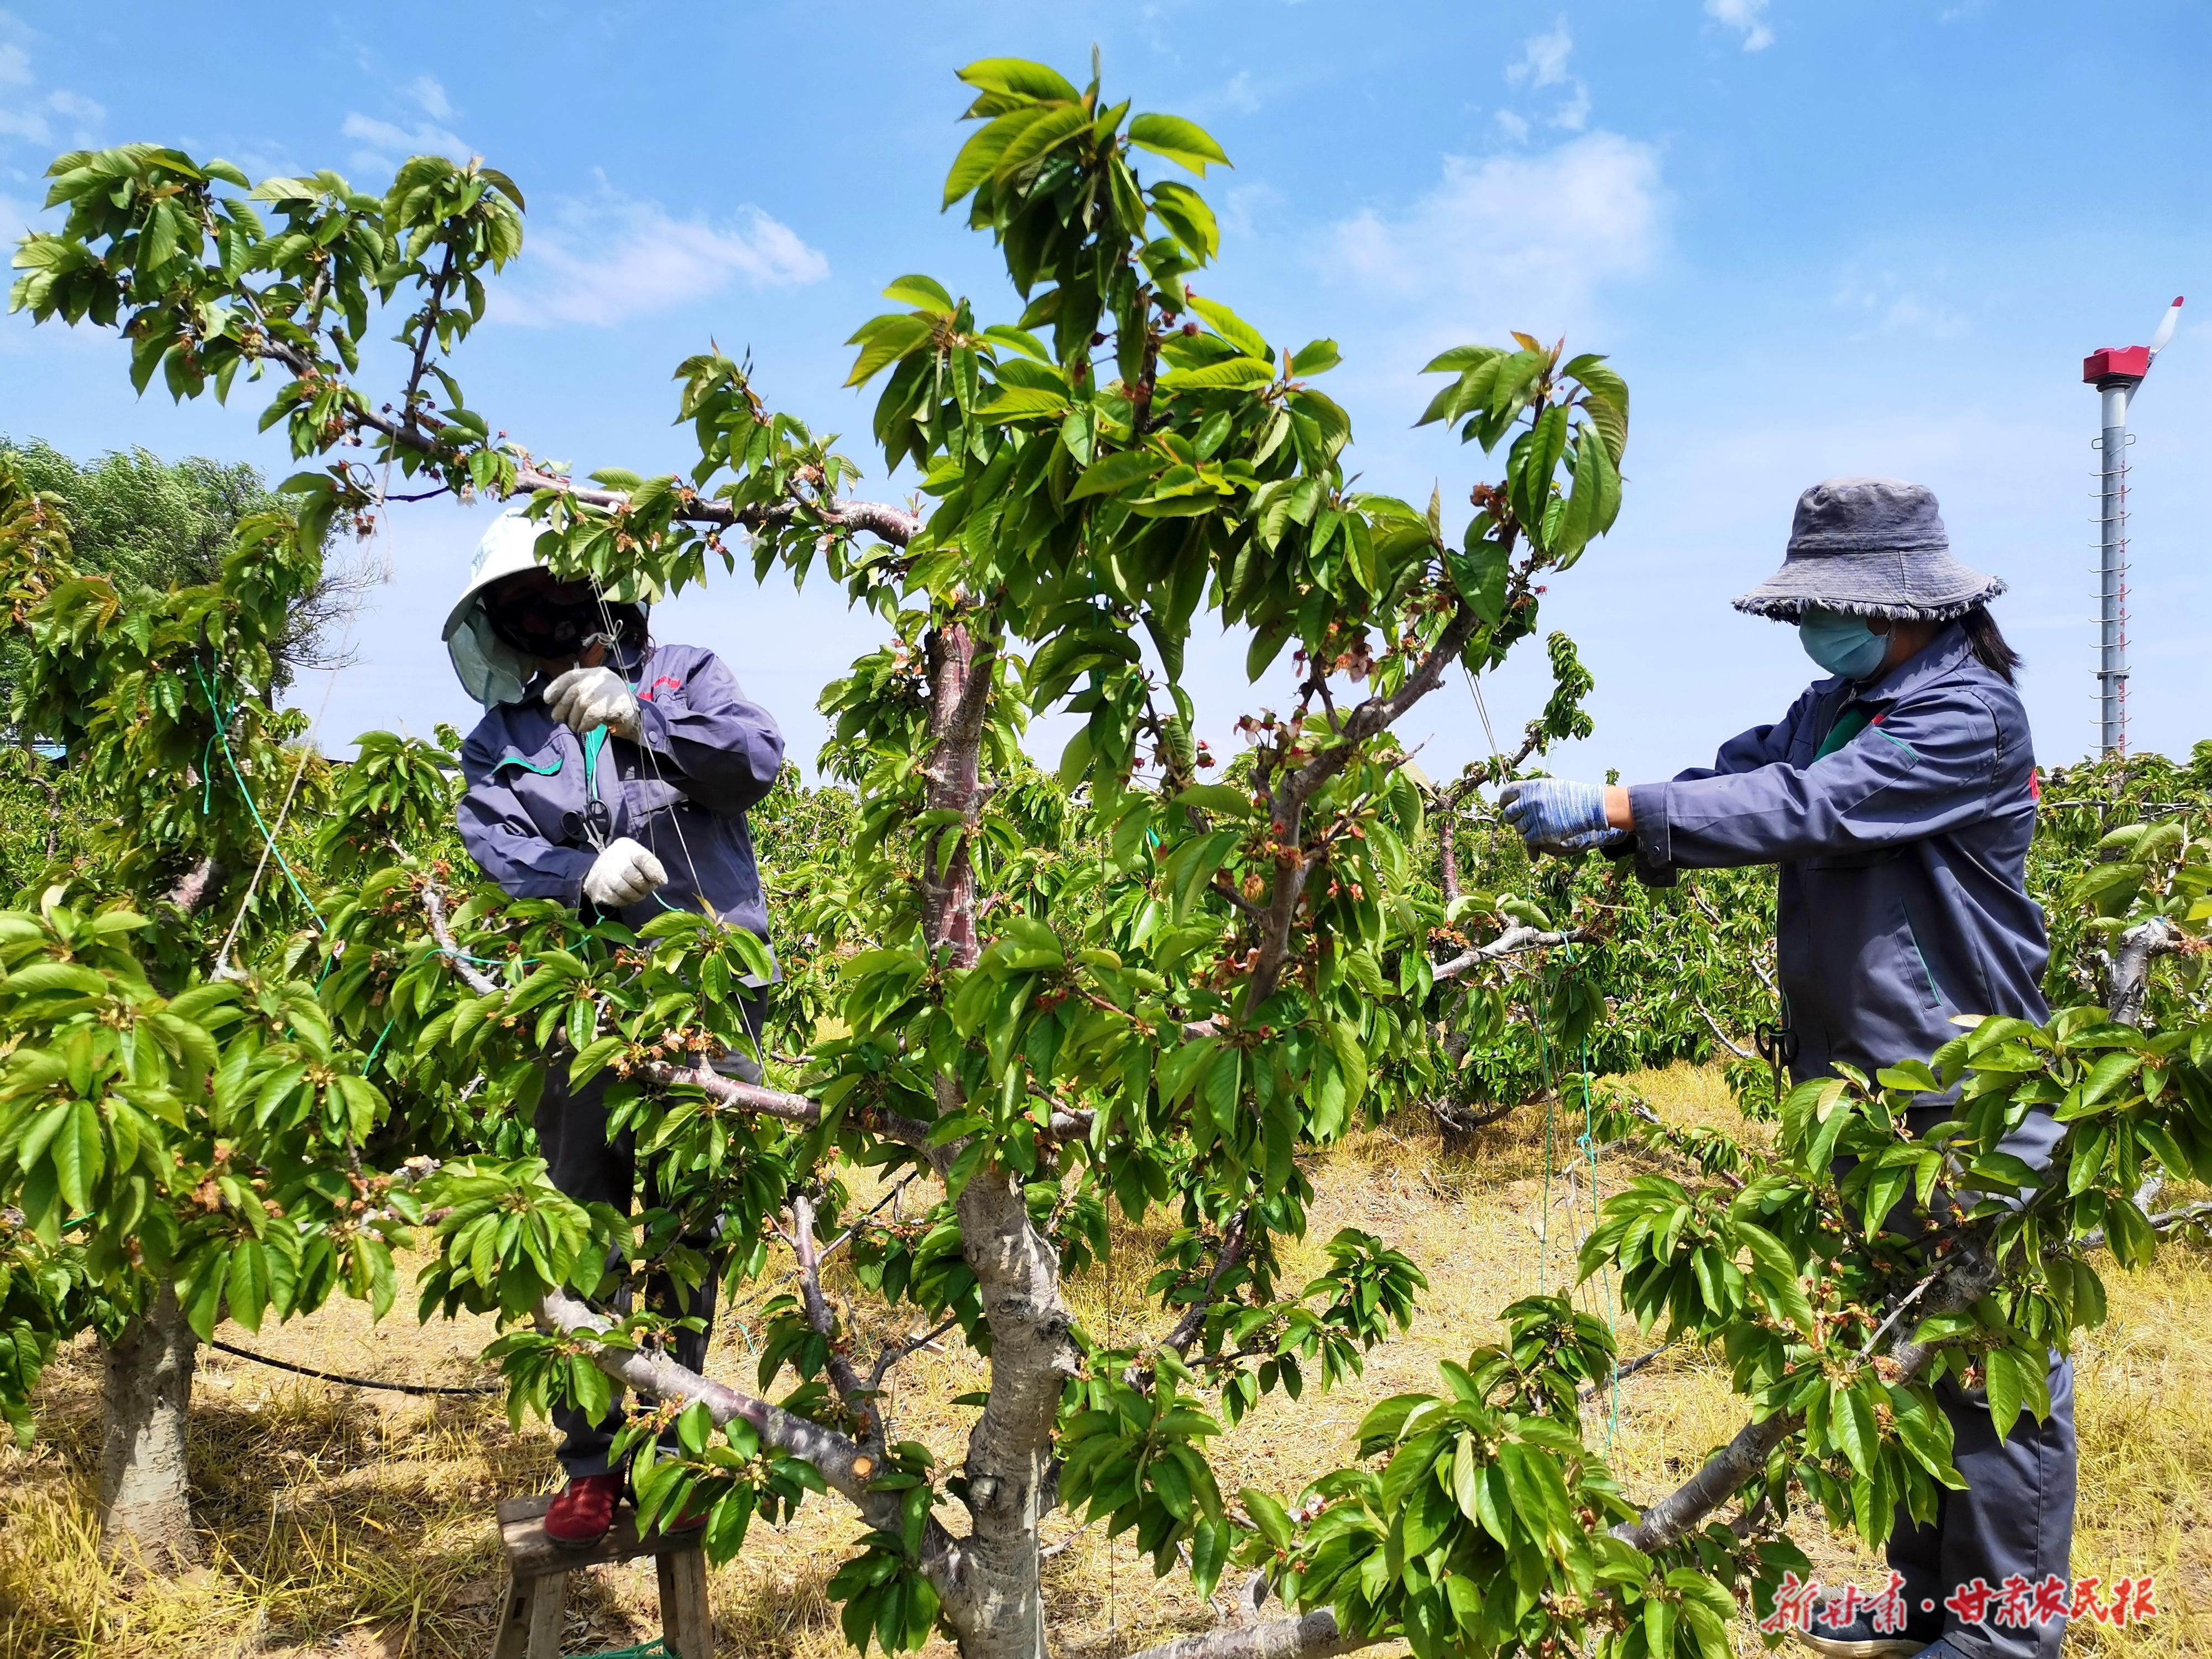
(1817, 239)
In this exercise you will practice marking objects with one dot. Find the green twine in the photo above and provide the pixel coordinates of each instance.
(380, 1036)
(1589, 1148)
(221, 734)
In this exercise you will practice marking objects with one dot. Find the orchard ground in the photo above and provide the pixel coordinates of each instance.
(346, 1522)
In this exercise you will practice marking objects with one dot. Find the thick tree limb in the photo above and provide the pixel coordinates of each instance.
(1676, 1516)
(2129, 979)
(648, 1371)
(1308, 1636)
(728, 1091)
(194, 886)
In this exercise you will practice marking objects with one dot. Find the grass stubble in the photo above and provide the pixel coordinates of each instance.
(344, 1523)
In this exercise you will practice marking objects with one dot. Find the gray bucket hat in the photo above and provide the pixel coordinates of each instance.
(1870, 547)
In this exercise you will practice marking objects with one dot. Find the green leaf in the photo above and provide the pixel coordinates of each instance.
(1022, 403)
(1187, 217)
(1020, 77)
(1112, 474)
(1316, 357)
(1178, 140)
(924, 293)
(1235, 329)
(2000, 1369)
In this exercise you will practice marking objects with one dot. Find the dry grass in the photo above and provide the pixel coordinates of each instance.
(341, 1522)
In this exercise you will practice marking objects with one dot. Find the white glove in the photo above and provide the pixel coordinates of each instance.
(586, 697)
(623, 874)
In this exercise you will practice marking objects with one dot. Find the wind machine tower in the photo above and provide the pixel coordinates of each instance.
(2116, 371)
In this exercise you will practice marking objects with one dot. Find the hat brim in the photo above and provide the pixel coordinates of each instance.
(1918, 585)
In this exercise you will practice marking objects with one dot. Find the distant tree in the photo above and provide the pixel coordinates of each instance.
(153, 524)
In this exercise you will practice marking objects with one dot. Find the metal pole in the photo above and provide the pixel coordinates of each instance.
(2111, 588)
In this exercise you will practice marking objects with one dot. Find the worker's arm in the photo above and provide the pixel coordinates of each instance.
(1928, 766)
(502, 837)
(708, 738)
(1746, 751)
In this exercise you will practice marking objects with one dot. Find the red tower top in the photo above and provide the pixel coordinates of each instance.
(2116, 363)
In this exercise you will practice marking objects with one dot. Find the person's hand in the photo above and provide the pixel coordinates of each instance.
(623, 874)
(1552, 812)
(586, 697)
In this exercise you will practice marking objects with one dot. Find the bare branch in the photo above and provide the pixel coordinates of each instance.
(895, 1352)
(1193, 1323)
(433, 905)
(1512, 942)
(857, 1394)
(1719, 1035)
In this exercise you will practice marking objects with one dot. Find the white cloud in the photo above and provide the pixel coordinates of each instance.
(385, 144)
(1544, 63)
(1510, 241)
(603, 261)
(430, 95)
(1747, 17)
(1544, 58)
(1241, 93)
(23, 114)
(1890, 308)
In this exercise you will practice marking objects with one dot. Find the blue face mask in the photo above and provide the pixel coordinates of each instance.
(1841, 645)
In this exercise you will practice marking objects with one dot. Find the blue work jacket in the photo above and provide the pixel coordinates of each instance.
(707, 752)
(1903, 849)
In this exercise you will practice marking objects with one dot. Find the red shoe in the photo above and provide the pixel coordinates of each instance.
(584, 1511)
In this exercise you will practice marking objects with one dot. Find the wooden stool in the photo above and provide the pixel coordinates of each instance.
(538, 1581)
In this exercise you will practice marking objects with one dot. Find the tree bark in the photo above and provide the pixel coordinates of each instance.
(2130, 981)
(145, 1497)
(959, 693)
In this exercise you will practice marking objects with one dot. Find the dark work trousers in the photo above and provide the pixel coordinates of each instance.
(2015, 1518)
(583, 1163)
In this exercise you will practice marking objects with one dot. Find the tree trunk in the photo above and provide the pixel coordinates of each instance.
(994, 1599)
(959, 692)
(997, 1611)
(145, 1499)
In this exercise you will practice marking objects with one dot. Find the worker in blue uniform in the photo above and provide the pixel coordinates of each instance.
(610, 773)
(1897, 796)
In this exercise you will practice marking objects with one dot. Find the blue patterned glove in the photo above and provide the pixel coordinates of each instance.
(1550, 812)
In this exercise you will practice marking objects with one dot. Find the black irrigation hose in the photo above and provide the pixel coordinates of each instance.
(356, 1382)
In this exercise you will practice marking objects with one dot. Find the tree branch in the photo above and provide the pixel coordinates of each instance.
(1719, 1035)
(858, 1395)
(1512, 942)
(433, 906)
(650, 1371)
(1676, 1516)
(1189, 1328)
(1289, 797)
(1314, 1635)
